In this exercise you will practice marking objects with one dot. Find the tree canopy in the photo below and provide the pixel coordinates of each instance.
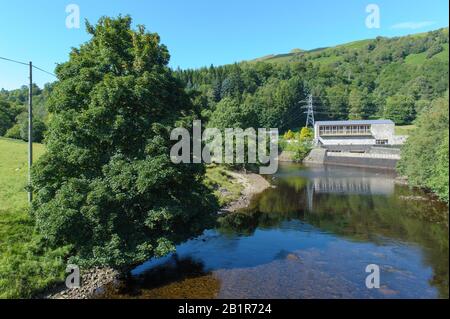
(425, 154)
(106, 185)
(383, 77)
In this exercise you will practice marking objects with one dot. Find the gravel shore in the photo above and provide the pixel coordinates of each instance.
(92, 283)
(253, 184)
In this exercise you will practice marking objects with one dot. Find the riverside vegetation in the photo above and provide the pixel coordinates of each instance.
(114, 183)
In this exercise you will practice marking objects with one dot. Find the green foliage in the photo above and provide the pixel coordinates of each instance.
(400, 109)
(298, 149)
(433, 50)
(229, 113)
(359, 105)
(438, 181)
(351, 81)
(306, 134)
(289, 135)
(107, 186)
(13, 132)
(223, 184)
(425, 154)
(404, 129)
(301, 150)
(39, 128)
(6, 117)
(18, 112)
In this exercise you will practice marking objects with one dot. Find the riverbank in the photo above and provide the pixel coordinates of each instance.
(234, 191)
(252, 184)
(92, 283)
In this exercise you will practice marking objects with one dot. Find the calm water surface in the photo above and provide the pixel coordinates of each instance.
(311, 236)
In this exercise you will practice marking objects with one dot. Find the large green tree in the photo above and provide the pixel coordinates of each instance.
(106, 185)
(359, 105)
(400, 109)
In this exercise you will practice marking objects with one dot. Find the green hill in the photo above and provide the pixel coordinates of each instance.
(395, 78)
(330, 55)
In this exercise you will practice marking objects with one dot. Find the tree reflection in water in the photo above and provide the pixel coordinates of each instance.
(360, 205)
(311, 236)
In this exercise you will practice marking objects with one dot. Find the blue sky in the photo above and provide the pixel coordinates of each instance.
(204, 32)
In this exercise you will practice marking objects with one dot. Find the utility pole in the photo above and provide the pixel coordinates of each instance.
(30, 117)
(310, 112)
(30, 132)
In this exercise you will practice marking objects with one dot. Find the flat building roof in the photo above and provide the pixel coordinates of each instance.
(354, 122)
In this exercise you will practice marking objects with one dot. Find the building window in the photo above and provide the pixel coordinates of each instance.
(381, 142)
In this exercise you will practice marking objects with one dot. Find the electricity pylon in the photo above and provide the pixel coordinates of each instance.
(309, 111)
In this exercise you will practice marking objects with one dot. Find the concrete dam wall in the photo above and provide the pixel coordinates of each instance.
(372, 157)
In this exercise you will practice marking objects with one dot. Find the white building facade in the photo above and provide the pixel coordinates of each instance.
(357, 132)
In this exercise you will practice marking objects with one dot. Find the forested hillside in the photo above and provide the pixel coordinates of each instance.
(400, 78)
(393, 78)
(14, 112)
(384, 77)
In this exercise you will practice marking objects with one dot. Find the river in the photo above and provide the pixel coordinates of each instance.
(311, 235)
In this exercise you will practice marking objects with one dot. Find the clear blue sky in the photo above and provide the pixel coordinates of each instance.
(204, 32)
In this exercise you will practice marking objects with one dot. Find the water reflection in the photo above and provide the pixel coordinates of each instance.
(311, 237)
(175, 277)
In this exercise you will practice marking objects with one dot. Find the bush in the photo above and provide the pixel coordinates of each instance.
(39, 129)
(433, 50)
(6, 118)
(301, 150)
(289, 135)
(425, 154)
(306, 134)
(14, 132)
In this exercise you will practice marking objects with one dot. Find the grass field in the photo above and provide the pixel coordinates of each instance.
(420, 58)
(26, 266)
(404, 129)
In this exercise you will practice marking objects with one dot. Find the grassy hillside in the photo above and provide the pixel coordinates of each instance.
(25, 266)
(330, 55)
(420, 58)
(293, 56)
(404, 129)
(14, 170)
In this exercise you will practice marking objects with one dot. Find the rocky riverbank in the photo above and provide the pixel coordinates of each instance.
(92, 283)
(253, 184)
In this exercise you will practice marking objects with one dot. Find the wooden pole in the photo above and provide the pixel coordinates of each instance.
(30, 131)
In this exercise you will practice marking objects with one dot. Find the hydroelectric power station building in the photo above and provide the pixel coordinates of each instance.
(356, 132)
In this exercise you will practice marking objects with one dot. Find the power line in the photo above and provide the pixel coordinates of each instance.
(44, 71)
(27, 64)
(15, 61)
(30, 116)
